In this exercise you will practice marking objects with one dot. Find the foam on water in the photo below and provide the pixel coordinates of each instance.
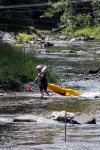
(5, 120)
(91, 94)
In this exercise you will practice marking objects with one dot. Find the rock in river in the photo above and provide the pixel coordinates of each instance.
(57, 116)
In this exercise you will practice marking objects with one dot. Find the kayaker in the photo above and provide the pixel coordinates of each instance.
(43, 80)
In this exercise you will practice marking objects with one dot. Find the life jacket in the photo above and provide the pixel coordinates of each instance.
(43, 79)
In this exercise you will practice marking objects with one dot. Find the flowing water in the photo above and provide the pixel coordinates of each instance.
(73, 68)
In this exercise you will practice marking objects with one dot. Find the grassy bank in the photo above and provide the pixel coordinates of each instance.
(86, 32)
(17, 68)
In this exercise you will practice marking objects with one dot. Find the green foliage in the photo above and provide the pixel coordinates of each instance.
(96, 32)
(82, 20)
(53, 76)
(76, 14)
(17, 68)
(83, 32)
(23, 38)
(55, 7)
(86, 32)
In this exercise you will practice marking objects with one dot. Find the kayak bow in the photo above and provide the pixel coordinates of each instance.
(62, 91)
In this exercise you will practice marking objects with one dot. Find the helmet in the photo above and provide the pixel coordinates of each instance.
(39, 67)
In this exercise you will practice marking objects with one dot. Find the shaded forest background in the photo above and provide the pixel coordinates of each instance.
(23, 15)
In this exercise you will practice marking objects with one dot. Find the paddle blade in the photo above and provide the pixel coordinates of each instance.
(29, 89)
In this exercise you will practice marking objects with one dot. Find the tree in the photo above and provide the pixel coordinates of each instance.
(76, 14)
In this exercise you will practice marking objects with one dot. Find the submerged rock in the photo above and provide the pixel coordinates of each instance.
(94, 71)
(31, 118)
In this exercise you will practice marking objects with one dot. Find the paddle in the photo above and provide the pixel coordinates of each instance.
(29, 89)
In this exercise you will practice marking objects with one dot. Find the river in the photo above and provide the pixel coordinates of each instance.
(73, 68)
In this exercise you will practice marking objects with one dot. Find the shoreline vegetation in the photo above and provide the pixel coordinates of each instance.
(86, 33)
(18, 68)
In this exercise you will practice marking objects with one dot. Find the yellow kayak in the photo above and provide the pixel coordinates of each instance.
(62, 91)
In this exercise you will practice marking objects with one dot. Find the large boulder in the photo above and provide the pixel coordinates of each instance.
(61, 114)
(71, 118)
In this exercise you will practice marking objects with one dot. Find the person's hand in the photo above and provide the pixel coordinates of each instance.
(40, 74)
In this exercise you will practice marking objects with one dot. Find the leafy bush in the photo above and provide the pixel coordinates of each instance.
(83, 32)
(86, 32)
(53, 77)
(23, 38)
(96, 32)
